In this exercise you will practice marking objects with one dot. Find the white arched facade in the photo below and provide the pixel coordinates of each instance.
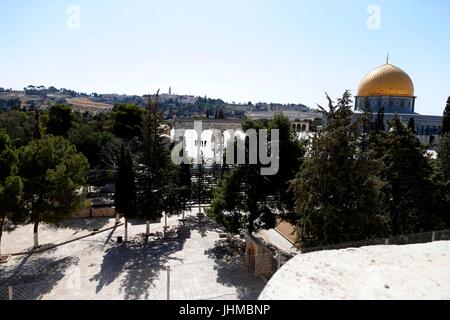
(210, 143)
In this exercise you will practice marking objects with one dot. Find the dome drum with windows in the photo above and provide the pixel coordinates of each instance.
(387, 86)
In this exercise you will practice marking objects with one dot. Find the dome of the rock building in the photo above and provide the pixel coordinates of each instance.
(386, 80)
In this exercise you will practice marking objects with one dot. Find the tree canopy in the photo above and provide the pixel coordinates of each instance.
(155, 166)
(10, 184)
(338, 192)
(446, 120)
(125, 195)
(59, 120)
(247, 200)
(53, 173)
(20, 126)
(127, 121)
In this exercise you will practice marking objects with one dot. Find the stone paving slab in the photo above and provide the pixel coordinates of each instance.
(99, 268)
(21, 238)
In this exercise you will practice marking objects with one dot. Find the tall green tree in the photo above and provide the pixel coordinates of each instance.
(443, 158)
(175, 192)
(412, 125)
(221, 114)
(368, 127)
(90, 142)
(201, 188)
(227, 205)
(153, 186)
(53, 173)
(291, 153)
(59, 120)
(441, 181)
(181, 189)
(101, 148)
(20, 126)
(37, 134)
(338, 193)
(441, 176)
(379, 122)
(446, 120)
(409, 188)
(127, 121)
(125, 195)
(243, 200)
(185, 183)
(10, 184)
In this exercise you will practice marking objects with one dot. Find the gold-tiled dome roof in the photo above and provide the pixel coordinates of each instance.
(386, 80)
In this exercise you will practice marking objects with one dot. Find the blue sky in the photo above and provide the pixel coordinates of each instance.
(273, 51)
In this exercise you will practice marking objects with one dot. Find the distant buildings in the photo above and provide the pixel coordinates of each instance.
(305, 123)
(174, 99)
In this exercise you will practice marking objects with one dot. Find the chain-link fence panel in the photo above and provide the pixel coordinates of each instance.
(398, 240)
(224, 274)
(229, 278)
(237, 278)
(130, 284)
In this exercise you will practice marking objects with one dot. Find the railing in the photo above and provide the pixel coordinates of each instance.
(424, 237)
(227, 277)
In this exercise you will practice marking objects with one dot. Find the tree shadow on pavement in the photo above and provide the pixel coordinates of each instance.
(34, 276)
(85, 224)
(202, 225)
(232, 270)
(139, 265)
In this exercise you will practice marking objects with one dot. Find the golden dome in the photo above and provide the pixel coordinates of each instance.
(386, 80)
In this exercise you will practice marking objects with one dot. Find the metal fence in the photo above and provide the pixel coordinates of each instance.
(223, 274)
(224, 278)
(424, 237)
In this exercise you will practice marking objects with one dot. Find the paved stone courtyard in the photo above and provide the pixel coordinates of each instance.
(202, 266)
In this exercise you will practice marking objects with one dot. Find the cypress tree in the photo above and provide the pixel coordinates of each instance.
(446, 120)
(185, 183)
(379, 122)
(338, 192)
(409, 188)
(155, 170)
(241, 200)
(441, 177)
(11, 185)
(367, 126)
(292, 151)
(125, 195)
(412, 125)
(201, 185)
(442, 182)
(59, 120)
(37, 134)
